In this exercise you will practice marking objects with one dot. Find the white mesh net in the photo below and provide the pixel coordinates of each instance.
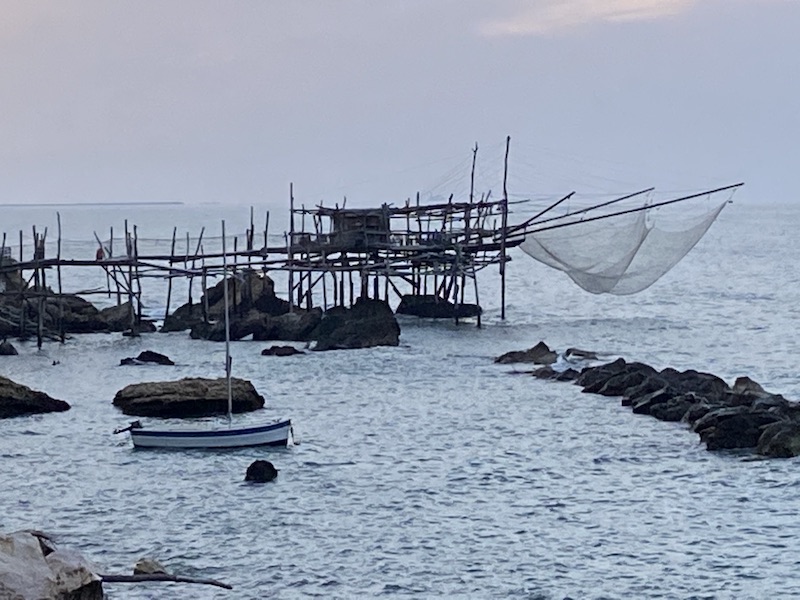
(621, 254)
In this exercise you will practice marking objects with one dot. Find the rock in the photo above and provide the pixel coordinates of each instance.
(567, 375)
(675, 408)
(281, 351)
(189, 397)
(581, 354)
(261, 471)
(17, 400)
(298, 326)
(644, 404)
(705, 384)
(185, 317)
(540, 354)
(35, 569)
(149, 566)
(79, 315)
(733, 427)
(118, 318)
(368, 323)
(619, 385)
(745, 385)
(433, 307)
(249, 291)
(546, 372)
(591, 376)
(7, 349)
(147, 357)
(780, 440)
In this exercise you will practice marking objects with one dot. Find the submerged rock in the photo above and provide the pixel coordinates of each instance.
(281, 351)
(261, 471)
(540, 354)
(17, 400)
(433, 307)
(189, 397)
(147, 357)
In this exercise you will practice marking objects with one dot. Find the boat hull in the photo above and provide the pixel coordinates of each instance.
(272, 434)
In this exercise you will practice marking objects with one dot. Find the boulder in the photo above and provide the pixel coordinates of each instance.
(643, 405)
(33, 568)
(261, 471)
(79, 315)
(149, 566)
(540, 354)
(705, 384)
(675, 408)
(147, 357)
(297, 326)
(434, 307)
(591, 376)
(17, 400)
(185, 317)
(780, 440)
(368, 323)
(118, 318)
(188, 397)
(281, 351)
(7, 349)
(249, 291)
(546, 372)
(733, 427)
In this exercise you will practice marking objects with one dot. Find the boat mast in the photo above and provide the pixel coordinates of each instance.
(227, 325)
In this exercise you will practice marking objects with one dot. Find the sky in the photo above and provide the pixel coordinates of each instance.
(229, 102)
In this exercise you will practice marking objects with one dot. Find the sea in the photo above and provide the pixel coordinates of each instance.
(425, 470)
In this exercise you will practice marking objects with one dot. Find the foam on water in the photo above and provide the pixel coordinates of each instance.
(428, 470)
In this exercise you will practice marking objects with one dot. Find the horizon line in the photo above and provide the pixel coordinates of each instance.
(45, 204)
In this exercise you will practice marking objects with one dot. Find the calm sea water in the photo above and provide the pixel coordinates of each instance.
(426, 470)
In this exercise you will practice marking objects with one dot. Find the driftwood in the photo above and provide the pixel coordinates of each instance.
(162, 577)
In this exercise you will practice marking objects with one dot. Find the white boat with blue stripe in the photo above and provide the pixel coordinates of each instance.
(278, 433)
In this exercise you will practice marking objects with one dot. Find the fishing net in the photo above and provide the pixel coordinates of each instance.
(620, 254)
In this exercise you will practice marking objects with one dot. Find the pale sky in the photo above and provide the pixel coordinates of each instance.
(209, 101)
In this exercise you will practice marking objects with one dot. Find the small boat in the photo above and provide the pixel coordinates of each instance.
(275, 433)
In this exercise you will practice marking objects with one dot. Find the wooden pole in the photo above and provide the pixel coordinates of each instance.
(38, 290)
(61, 335)
(138, 295)
(113, 268)
(169, 274)
(504, 226)
(290, 249)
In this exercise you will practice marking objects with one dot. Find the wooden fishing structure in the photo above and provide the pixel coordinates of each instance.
(331, 256)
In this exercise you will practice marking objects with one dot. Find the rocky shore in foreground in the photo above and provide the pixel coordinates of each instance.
(742, 416)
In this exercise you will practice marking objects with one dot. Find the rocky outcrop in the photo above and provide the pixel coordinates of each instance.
(248, 291)
(189, 397)
(33, 568)
(367, 324)
(18, 400)
(540, 354)
(434, 307)
(148, 357)
(741, 416)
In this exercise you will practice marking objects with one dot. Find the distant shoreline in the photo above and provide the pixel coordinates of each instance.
(45, 205)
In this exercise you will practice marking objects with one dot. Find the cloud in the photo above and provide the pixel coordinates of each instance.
(549, 16)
